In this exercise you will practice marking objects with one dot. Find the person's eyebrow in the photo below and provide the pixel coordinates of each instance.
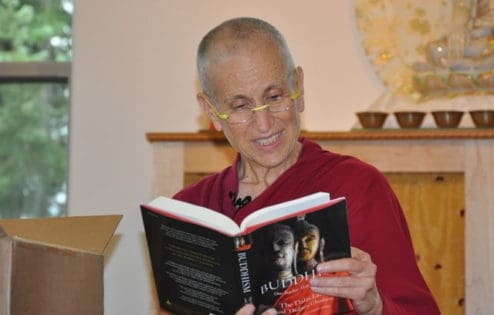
(269, 88)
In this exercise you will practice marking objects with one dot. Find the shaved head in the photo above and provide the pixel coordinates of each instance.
(231, 36)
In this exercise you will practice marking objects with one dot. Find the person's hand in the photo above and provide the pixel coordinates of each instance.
(249, 309)
(359, 285)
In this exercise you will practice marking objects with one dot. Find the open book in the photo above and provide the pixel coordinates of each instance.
(204, 263)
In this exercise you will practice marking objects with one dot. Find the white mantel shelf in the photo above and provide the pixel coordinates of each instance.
(466, 150)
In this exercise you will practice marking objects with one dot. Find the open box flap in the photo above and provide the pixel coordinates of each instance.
(87, 233)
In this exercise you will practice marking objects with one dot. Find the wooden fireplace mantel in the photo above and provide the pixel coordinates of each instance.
(360, 134)
(469, 151)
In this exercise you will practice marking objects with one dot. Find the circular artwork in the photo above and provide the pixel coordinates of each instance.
(424, 48)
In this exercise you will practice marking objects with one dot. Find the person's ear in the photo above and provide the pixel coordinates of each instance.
(299, 85)
(204, 102)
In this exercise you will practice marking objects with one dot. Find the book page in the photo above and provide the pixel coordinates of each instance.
(195, 214)
(284, 210)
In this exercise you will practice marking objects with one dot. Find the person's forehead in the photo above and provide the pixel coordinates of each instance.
(260, 49)
(226, 44)
(257, 70)
(284, 233)
(313, 231)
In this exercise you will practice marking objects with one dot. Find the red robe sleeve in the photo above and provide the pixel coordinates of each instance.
(378, 226)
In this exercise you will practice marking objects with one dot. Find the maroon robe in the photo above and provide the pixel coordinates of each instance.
(376, 221)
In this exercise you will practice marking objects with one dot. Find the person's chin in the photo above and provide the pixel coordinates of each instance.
(303, 258)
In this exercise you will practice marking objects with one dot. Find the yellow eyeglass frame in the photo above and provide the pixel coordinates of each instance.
(294, 96)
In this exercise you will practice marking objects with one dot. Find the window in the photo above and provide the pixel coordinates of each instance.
(35, 54)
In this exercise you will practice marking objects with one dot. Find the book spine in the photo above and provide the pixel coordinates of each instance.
(242, 247)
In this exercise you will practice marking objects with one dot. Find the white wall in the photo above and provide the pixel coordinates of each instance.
(133, 72)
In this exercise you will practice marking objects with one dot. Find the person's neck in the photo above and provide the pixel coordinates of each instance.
(254, 178)
(308, 265)
(285, 274)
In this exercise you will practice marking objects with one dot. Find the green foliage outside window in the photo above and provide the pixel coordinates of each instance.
(34, 115)
(35, 30)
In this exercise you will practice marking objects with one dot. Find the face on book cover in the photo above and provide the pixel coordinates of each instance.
(308, 244)
(252, 72)
(281, 244)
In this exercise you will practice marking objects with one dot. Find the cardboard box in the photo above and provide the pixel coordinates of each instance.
(54, 266)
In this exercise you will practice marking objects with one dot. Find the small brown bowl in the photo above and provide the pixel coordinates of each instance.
(483, 118)
(409, 119)
(372, 119)
(447, 118)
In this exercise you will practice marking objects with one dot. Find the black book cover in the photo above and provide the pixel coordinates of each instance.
(199, 270)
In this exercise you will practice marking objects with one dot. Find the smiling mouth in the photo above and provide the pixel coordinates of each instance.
(269, 140)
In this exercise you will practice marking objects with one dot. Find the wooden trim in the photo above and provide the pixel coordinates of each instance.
(34, 71)
(383, 134)
(185, 136)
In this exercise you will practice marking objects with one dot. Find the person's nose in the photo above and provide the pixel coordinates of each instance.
(263, 119)
(276, 247)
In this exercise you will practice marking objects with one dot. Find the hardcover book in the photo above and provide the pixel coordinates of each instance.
(204, 263)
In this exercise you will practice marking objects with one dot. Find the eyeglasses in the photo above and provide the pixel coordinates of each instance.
(243, 112)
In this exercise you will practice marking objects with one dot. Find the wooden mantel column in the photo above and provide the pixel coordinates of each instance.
(470, 151)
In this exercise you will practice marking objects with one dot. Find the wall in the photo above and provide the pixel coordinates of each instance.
(133, 72)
